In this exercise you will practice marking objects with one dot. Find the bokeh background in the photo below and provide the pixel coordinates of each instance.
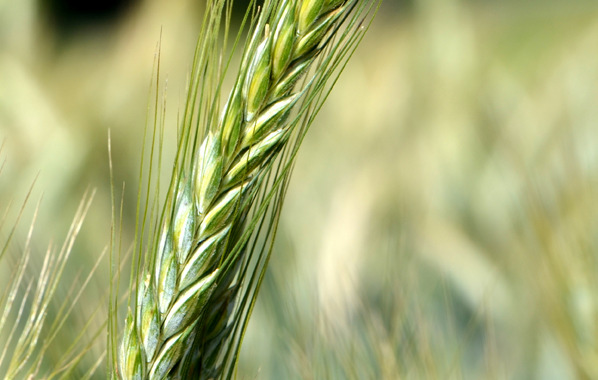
(442, 219)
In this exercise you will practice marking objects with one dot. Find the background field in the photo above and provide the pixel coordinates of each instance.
(442, 219)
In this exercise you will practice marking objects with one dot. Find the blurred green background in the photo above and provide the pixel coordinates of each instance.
(442, 219)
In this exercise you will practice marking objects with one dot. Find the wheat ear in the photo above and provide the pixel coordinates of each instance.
(193, 268)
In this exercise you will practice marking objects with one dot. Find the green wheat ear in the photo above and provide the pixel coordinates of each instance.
(204, 265)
